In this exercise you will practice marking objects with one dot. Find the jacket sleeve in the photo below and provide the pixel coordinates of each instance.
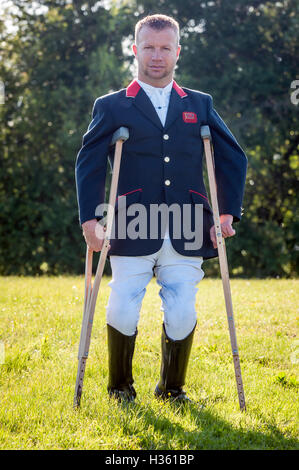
(230, 165)
(91, 162)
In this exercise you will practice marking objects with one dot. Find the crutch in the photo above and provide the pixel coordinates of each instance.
(91, 291)
(206, 136)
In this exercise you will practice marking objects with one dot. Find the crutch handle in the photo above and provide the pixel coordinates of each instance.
(121, 134)
(205, 132)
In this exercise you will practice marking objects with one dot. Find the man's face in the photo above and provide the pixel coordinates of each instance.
(157, 53)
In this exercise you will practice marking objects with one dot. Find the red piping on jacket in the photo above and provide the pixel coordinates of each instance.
(192, 191)
(130, 192)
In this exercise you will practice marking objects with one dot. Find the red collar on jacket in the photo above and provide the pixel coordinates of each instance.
(134, 88)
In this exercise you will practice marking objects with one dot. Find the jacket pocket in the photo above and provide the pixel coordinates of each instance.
(199, 198)
(125, 200)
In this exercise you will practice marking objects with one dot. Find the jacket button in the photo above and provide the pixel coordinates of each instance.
(165, 136)
(166, 159)
(167, 182)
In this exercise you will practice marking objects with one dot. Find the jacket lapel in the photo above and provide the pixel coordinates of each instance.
(176, 104)
(143, 103)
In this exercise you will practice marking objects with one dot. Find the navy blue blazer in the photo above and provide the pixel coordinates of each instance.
(147, 176)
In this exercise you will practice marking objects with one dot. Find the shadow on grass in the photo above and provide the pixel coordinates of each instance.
(192, 427)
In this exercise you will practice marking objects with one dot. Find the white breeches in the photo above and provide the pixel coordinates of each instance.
(176, 274)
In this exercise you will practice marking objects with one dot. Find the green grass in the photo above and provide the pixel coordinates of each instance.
(40, 329)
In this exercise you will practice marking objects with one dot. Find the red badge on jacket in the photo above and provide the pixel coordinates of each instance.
(188, 116)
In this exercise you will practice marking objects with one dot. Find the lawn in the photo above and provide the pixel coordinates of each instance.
(39, 335)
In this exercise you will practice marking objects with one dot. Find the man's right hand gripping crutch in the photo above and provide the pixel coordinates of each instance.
(97, 243)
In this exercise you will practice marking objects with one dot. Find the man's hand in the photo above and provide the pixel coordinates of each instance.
(94, 234)
(227, 230)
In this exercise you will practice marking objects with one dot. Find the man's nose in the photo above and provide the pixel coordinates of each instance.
(157, 55)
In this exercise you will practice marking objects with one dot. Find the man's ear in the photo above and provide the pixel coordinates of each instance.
(134, 49)
(178, 51)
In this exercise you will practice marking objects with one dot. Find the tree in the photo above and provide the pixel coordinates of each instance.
(63, 55)
(244, 54)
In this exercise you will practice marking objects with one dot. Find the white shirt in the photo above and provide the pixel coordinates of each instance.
(159, 98)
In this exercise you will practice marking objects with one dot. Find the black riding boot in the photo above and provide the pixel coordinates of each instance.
(120, 355)
(174, 363)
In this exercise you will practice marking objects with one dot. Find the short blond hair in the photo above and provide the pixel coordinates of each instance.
(157, 22)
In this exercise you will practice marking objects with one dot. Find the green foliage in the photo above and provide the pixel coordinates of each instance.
(63, 59)
(65, 54)
(285, 381)
(244, 54)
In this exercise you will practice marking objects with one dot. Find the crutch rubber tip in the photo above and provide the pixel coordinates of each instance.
(205, 132)
(121, 134)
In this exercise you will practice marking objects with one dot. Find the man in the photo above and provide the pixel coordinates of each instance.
(161, 164)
